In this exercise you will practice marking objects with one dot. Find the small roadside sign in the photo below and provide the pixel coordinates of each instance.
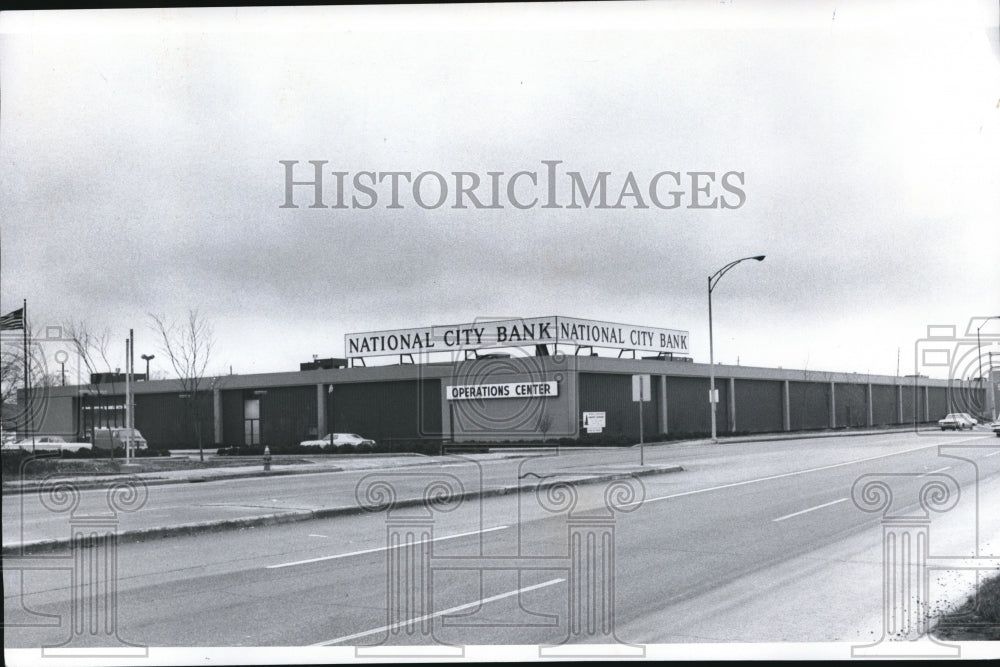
(594, 422)
(640, 387)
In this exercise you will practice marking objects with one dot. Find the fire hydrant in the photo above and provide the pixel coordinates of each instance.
(267, 458)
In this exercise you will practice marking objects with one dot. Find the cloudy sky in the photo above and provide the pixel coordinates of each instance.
(140, 172)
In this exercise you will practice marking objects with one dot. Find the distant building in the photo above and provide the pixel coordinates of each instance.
(538, 379)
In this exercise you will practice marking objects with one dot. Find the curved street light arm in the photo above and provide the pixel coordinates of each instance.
(717, 276)
(979, 346)
(713, 280)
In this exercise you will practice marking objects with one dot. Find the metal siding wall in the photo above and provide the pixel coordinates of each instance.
(809, 405)
(430, 408)
(969, 399)
(688, 406)
(884, 408)
(161, 418)
(232, 419)
(758, 406)
(908, 403)
(938, 402)
(386, 410)
(612, 394)
(167, 420)
(851, 405)
(286, 415)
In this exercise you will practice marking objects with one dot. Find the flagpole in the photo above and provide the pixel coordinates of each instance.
(27, 375)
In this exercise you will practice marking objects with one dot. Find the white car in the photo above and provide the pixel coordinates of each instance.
(969, 418)
(956, 421)
(47, 443)
(337, 439)
(996, 427)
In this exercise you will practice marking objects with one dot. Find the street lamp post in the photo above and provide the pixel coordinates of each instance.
(148, 357)
(713, 280)
(979, 358)
(979, 345)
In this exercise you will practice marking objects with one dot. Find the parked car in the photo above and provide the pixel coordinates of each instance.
(46, 443)
(115, 438)
(956, 421)
(970, 418)
(338, 440)
(996, 427)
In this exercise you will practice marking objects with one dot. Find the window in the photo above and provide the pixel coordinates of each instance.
(251, 421)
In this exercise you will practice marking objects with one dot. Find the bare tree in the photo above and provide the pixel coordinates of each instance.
(12, 368)
(93, 351)
(11, 373)
(188, 347)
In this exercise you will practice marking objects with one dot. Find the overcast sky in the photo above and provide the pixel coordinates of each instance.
(141, 172)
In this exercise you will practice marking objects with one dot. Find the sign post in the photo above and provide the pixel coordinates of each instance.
(640, 393)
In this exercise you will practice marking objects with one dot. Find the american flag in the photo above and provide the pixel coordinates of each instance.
(12, 320)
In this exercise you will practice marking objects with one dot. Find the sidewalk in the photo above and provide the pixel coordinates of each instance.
(805, 435)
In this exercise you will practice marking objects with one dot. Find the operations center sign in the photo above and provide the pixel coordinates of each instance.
(516, 333)
(513, 390)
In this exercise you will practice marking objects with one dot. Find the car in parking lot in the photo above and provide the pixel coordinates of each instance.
(956, 421)
(969, 418)
(47, 443)
(338, 440)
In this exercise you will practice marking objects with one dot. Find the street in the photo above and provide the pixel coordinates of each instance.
(751, 542)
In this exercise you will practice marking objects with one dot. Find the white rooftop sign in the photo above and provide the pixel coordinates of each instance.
(516, 333)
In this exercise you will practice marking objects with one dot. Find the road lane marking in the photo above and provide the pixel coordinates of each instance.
(935, 471)
(989, 455)
(779, 476)
(377, 549)
(818, 507)
(452, 610)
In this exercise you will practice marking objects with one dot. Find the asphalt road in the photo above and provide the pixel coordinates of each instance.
(45, 514)
(753, 542)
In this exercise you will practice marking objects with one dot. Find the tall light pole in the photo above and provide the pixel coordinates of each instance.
(979, 346)
(147, 357)
(713, 280)
(979, 358)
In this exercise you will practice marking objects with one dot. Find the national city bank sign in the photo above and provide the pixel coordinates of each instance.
(516, 333)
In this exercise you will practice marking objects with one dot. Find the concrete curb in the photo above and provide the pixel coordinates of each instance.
(515, 452)
(773, 437)
(32, 486)
(292, 516)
